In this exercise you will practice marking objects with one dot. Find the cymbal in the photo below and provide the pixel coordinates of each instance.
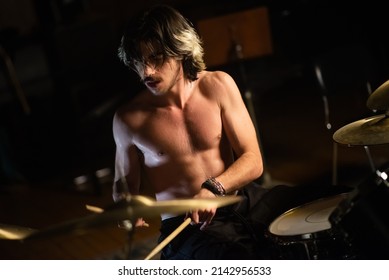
(13, 232)
(365, 132)
(130, 209)
(379, 99)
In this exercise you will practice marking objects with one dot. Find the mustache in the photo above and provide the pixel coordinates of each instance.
(150, 79)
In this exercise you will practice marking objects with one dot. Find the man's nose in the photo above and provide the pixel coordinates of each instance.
(148, 70)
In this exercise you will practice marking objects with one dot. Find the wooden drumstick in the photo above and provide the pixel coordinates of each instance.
(94, 209)
(169, 238)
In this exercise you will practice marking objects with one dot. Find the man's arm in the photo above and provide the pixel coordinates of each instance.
(241, 134)
(127, 167)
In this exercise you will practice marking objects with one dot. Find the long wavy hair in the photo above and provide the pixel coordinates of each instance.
(163, 30)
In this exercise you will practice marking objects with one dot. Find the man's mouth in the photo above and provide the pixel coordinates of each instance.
(152, 83)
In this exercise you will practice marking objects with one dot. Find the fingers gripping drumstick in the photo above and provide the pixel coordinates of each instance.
(169, 238)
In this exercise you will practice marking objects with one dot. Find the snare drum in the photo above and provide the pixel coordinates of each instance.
(305, 232)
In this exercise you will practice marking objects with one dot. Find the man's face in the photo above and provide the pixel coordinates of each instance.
(158, 73)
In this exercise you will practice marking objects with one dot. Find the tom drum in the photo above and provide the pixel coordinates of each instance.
(305, 232)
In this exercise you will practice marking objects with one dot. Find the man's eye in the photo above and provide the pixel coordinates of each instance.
(156, 58)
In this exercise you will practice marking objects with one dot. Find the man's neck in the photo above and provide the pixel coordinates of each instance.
(178, 95)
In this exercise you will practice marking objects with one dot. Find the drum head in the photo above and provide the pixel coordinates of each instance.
(308, 218)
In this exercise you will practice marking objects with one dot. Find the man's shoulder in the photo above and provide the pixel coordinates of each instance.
(214, 77)
(132, 113)
(217, 74)
(212, 80)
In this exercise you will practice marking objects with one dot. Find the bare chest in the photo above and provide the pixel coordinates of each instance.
(172, 131)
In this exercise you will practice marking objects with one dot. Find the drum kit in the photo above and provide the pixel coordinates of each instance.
(353, 225)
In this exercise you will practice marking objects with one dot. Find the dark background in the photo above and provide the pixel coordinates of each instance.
(64, 53)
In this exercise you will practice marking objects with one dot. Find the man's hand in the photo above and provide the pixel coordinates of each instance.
(127, 225)
(141, 223)
(203, 216)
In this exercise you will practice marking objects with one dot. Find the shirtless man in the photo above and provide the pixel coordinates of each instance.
(189, 132)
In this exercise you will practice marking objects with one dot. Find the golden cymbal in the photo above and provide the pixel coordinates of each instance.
(130, 209)
(379, 99)
(12, 232)
(147, 207)
(369, 131)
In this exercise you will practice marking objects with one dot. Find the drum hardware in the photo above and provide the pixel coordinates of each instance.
(13, 80)
(318, 67)
(129, 209)
(319, 78)
(383, 176)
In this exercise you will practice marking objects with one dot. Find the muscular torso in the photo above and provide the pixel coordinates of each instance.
(179, 148)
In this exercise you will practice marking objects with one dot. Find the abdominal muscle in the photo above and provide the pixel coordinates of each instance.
(182, 178)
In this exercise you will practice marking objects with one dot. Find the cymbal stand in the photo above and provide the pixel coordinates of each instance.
(128, 225)
(128, 246)
(14, 81)
(370, 159)
(328, 125)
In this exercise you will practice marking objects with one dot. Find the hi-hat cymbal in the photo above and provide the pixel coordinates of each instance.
(379, 99)
(130, 209)
(369, 131)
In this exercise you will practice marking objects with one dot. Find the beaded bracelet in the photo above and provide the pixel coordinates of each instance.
(214, 186)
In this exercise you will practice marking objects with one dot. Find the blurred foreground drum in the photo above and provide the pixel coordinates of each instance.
(305, 232)
(363, 219)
